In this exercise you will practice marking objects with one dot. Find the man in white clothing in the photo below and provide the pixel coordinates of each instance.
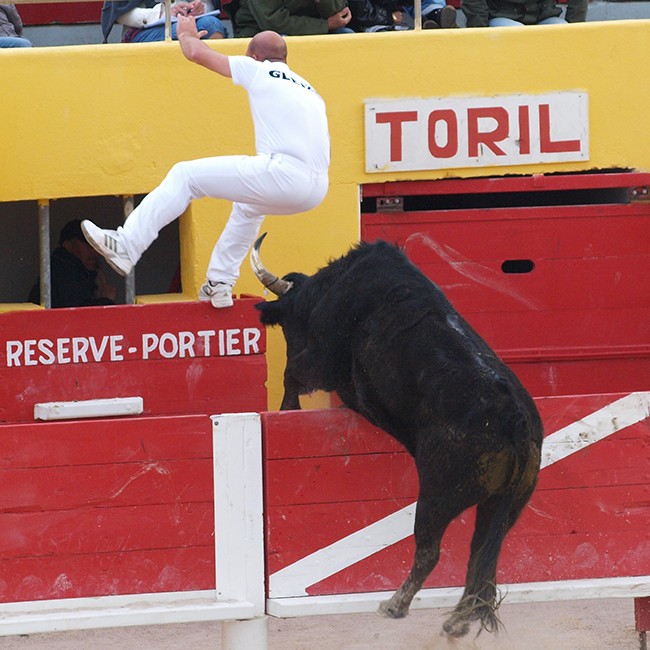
(288, 174)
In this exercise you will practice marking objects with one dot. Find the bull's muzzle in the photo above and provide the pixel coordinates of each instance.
(272, 282)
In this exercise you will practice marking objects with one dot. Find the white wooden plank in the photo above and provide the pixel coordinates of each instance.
(90, 408)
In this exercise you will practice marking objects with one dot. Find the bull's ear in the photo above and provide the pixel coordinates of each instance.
(271, 313)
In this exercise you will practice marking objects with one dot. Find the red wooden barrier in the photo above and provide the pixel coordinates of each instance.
(329, 474)
(118, 505)
(179, 357)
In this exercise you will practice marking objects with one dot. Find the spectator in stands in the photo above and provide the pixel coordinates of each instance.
(576, 11)
(136, 15)
(387, 15)
(511, 13)
(376, 16)
(77, 278)
(292, 17)
(435, 14)
(11, 28)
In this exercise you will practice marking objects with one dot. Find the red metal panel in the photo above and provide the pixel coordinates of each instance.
(180, 357)
(578, 321)
(589, 517)
(108, 506)
(538, 182)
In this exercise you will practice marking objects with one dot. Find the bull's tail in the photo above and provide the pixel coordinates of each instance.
(494, 518)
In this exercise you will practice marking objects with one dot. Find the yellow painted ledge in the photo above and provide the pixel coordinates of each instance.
(157, 298)
(18, 306)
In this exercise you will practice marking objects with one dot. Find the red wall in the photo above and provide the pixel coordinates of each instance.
(330, 473)
(117, 505)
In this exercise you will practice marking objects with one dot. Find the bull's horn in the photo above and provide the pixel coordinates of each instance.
(272, 282)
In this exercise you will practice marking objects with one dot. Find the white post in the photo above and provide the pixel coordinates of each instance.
(239, 525)
(251, 634)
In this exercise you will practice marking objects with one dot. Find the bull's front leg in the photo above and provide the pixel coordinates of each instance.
(290, 401)
(293, 383)
(300, 378)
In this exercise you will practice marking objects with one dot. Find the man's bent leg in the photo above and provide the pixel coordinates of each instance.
(237, 237)
(167, 202)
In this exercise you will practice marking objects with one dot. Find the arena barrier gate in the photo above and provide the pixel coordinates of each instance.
(112, 469)
(156, 511)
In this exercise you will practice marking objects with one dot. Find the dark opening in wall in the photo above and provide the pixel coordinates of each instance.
(19, 245)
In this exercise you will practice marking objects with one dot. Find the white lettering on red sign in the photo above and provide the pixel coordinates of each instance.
(444, 133)
(113, 347)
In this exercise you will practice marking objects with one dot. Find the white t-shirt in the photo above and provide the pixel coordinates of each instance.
(288, 114)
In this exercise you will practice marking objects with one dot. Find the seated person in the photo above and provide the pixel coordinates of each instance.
(435, 14)
(292, 17)
(76, 273)
(376, 16)
(11, 28)
(135, 15)
(387, 15)
(511, 13)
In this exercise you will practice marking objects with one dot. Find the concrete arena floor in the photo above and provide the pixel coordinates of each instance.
(606, 624)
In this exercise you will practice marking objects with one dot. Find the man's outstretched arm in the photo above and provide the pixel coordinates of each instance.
(196, 50)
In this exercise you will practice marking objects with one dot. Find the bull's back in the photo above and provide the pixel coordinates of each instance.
(420, 364)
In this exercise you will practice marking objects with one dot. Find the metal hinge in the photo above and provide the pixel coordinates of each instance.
(390, 204)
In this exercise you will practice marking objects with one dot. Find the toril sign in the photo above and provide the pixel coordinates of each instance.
(445, 133)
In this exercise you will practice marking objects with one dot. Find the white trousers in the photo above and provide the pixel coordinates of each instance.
(257, 185)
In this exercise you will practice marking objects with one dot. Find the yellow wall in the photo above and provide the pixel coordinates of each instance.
(112, 119)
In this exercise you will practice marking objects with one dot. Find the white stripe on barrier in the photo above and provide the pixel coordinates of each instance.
(618, 415)
(32, 617)
(294, 579)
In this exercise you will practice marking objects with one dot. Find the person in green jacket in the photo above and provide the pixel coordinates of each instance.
(292, 17)
(506, 13)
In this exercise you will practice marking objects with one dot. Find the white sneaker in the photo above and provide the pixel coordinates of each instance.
(218, 293)
(108, 243)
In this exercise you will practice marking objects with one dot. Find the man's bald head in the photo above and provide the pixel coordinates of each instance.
(267, 46)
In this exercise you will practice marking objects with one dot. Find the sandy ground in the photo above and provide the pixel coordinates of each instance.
(606, 624)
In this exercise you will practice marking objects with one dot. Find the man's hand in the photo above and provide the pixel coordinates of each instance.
(340, 19)
(196, 50)
(186, 27)
(192, 8)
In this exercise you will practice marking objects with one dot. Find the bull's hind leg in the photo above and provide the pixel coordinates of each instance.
(494, 518)
(429, 528)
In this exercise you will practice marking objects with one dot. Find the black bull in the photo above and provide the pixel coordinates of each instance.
(373, 328)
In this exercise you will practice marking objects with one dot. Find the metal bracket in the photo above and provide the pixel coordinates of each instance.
(390, 204)
(641, 193)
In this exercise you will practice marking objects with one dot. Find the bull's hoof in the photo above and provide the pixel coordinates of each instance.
(388, 609)
(455, 627)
